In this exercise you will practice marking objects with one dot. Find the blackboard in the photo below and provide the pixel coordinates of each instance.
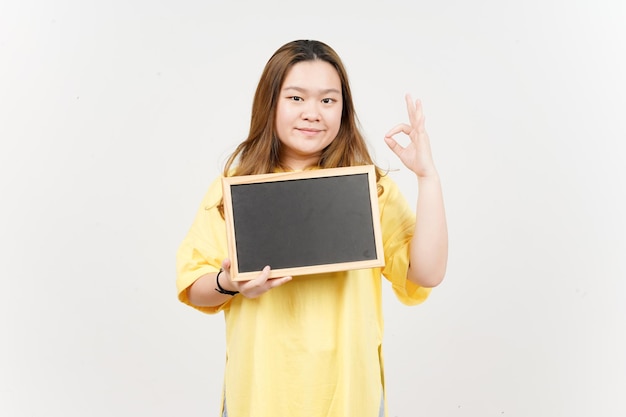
(306, 222)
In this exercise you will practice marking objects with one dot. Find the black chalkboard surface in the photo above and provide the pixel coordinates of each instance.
(304, 222)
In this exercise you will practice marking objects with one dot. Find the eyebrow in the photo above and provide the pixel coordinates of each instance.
(304, 90)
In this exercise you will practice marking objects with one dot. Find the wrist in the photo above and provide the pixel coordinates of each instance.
(225, 286)
(430, 177)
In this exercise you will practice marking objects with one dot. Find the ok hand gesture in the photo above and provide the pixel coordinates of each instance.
(416, 155)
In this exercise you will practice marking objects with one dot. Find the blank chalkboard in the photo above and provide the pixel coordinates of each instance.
(305, 222)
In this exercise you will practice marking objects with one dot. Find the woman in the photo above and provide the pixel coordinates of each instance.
(312, 345)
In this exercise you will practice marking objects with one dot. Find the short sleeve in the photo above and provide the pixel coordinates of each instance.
(203, 248)
(398, 224)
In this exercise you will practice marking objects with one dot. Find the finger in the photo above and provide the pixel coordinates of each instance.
(263, 276)
(419, 116)
(409, 103)
(252, 286)
(410, 107)
(260, 279)
(277, 282)
(226, 264)
(393, 145)
(415, 110)
(401, 128)
(226, 267)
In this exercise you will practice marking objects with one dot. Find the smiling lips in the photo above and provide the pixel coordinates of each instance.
(308, 131)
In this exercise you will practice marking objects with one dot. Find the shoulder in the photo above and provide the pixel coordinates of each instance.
(213, 195)
(391, 200)
(387, 188)
(385, 179)
(216, 185)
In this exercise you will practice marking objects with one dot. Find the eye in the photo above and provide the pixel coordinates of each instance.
(295, 98)
(328, 100)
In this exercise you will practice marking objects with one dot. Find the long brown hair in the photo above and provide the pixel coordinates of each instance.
(260, 152)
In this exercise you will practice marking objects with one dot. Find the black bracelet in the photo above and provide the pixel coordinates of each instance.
(219, 287)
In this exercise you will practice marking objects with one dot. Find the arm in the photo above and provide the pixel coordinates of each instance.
(202, 292)
(429, 245)
(203, 251)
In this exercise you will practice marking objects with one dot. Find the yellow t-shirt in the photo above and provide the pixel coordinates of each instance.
(312, 347)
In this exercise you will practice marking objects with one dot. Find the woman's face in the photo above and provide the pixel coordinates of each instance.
(308, 113)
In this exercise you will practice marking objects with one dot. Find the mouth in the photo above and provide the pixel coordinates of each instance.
(308, 131)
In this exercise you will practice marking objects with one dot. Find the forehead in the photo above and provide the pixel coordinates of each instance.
(312, 75)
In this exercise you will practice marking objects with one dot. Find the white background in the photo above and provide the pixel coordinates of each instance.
(115, 117)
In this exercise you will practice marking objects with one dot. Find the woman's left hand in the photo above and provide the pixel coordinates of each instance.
(416, 155)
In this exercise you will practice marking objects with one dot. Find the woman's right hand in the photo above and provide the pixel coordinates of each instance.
(251, 288)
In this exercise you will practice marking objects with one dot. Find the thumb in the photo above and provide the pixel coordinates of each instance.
(393, 145)
(226, 264)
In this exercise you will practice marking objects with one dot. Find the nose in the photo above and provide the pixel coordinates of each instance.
(311, 112)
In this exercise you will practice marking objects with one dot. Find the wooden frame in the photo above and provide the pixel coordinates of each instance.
(334, 211)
